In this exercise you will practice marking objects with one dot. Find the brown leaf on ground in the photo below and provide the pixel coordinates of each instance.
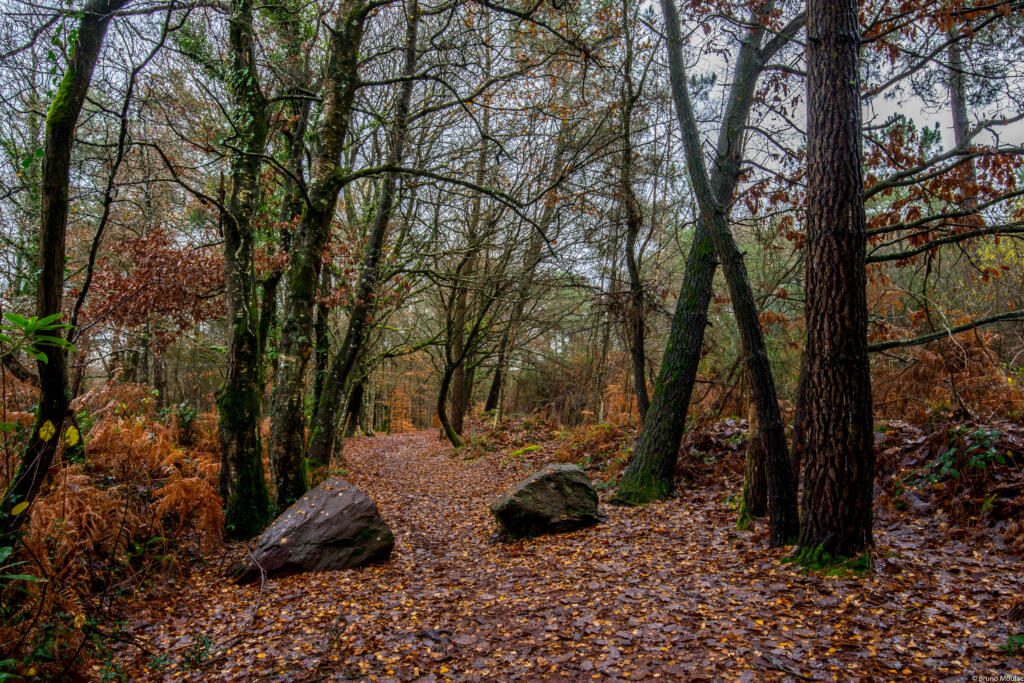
(666, 592)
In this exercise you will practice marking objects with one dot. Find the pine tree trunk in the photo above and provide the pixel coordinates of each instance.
(958, 109)
(839, 458)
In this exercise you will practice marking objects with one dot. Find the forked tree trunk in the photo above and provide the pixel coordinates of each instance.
(782, 503)
(839, 457)
(287, 414)
(651, 473)
(325, 426)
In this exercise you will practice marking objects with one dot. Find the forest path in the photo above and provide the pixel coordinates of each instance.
(670, 591)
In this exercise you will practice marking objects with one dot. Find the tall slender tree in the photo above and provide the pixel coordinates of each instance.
(287, 411)
(59, 142)
(839, 469)
(242, 483)
(651, 473)
(329, 404)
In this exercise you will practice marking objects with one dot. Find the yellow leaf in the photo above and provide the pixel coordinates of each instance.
(79, 620)
(71, 436)
(19, 508)
(47, 431)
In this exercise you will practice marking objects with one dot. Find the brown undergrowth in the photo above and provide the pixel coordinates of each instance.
(137, 510)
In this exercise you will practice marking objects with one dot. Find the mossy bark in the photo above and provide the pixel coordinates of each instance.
(287, 412)
(61, 122)
(329, 401)
(713, 200)
(651, 473)
(242, 481)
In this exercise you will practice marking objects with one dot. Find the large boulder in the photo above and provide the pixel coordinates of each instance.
(334, 526)
(557, 498)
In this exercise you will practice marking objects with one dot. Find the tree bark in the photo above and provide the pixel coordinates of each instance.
(635, 317)
(61, 122)
(651, 473)
(754, 503)
(242, 483)
(354, 409)
(287, 419)
(961, 121)
(325, 427)
(839, 457)
(782, 503)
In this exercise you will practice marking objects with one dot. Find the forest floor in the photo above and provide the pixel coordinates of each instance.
(671, 591)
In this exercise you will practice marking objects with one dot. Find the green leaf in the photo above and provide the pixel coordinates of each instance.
(23, 505)
(49, 320)
(19, 321)
(22, 577)
(50, 340)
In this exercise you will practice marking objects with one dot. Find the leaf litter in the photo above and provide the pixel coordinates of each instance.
(671, 591)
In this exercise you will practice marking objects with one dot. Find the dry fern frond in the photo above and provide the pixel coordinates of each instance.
(190, 504)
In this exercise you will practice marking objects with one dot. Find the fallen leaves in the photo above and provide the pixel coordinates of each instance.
(666, 592)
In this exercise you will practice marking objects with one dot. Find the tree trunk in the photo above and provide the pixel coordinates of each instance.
(494, 393)
(242, 483)
(447, 428)
(636, 324)
(754, 503)
(961, 121)
(329, 404)
(839, 456)
(354, 409)
(61, 122)
(322, 342)
(651, 474)
(287, 418)
(782, 503)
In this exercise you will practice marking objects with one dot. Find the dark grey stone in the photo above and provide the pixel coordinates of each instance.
(558, 498)
(333, 526)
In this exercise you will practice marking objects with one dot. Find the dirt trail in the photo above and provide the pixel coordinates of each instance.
(669, 592)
